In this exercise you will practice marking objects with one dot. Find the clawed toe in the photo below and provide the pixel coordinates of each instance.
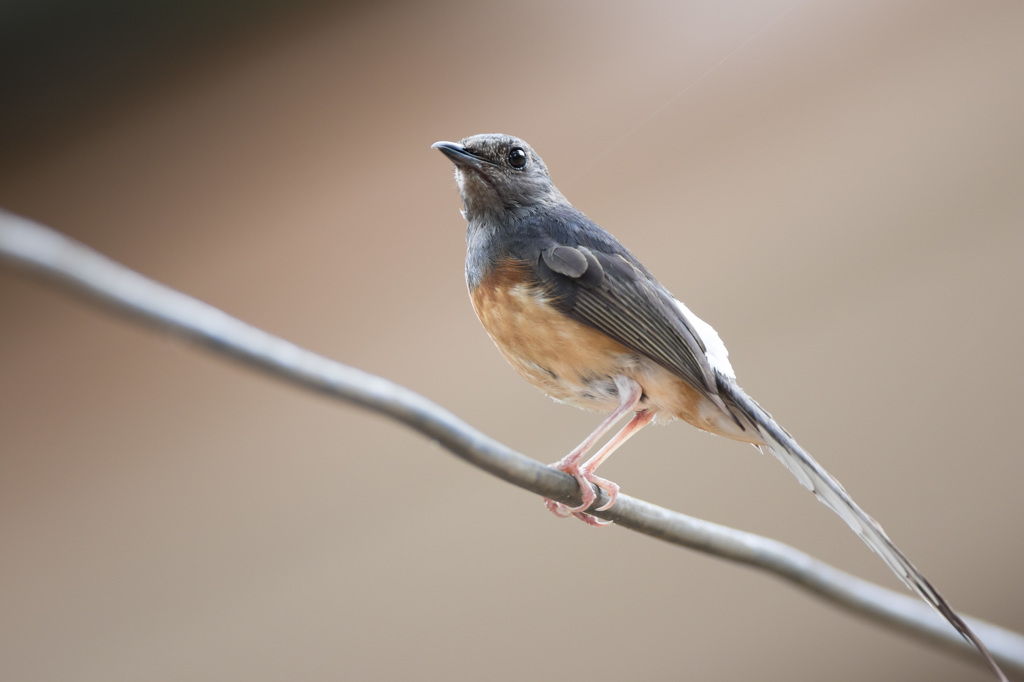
(592, 520)
(585, 478)
(611, 489)
(563, 511)
(557, 508)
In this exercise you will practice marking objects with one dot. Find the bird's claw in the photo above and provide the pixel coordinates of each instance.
(585, 479)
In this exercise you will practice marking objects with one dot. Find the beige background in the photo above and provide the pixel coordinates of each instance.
(837, 188)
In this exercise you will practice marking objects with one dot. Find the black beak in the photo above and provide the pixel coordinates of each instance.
(459, 155)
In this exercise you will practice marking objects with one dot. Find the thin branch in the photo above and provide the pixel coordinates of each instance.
(83, 271)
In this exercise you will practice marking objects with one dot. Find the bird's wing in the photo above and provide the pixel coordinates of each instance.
(608, 293)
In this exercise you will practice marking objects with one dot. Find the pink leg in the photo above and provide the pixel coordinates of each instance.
(629, 395)
(639, 420)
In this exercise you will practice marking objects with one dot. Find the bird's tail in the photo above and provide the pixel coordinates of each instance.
(830, 492)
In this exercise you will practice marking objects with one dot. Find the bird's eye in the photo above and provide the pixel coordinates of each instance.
(517, 158)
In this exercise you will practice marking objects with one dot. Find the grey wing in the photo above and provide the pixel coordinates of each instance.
(608, 293)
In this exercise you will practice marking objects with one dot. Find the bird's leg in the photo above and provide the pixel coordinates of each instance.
(629, 396)
(639, 420)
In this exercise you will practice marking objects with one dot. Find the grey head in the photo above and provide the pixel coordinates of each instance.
(500, 176)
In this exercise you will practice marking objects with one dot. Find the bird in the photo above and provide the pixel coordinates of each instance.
(577, 315)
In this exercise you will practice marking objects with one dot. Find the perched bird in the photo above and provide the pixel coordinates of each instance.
(581, 318)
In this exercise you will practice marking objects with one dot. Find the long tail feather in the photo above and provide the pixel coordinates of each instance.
(830, 492)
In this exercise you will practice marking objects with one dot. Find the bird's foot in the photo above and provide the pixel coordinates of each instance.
(610, 488)
(585, 479)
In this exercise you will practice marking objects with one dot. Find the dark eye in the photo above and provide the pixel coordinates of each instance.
(517, 158)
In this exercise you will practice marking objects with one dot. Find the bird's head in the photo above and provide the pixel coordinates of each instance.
(499, 174)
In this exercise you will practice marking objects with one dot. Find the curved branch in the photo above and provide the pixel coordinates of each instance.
(84, 271)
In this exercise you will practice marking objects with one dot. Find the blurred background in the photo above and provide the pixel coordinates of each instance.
(836, 187)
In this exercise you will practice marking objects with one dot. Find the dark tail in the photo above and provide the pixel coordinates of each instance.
(829, 491)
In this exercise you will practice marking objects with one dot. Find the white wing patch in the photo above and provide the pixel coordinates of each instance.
(718, 356)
